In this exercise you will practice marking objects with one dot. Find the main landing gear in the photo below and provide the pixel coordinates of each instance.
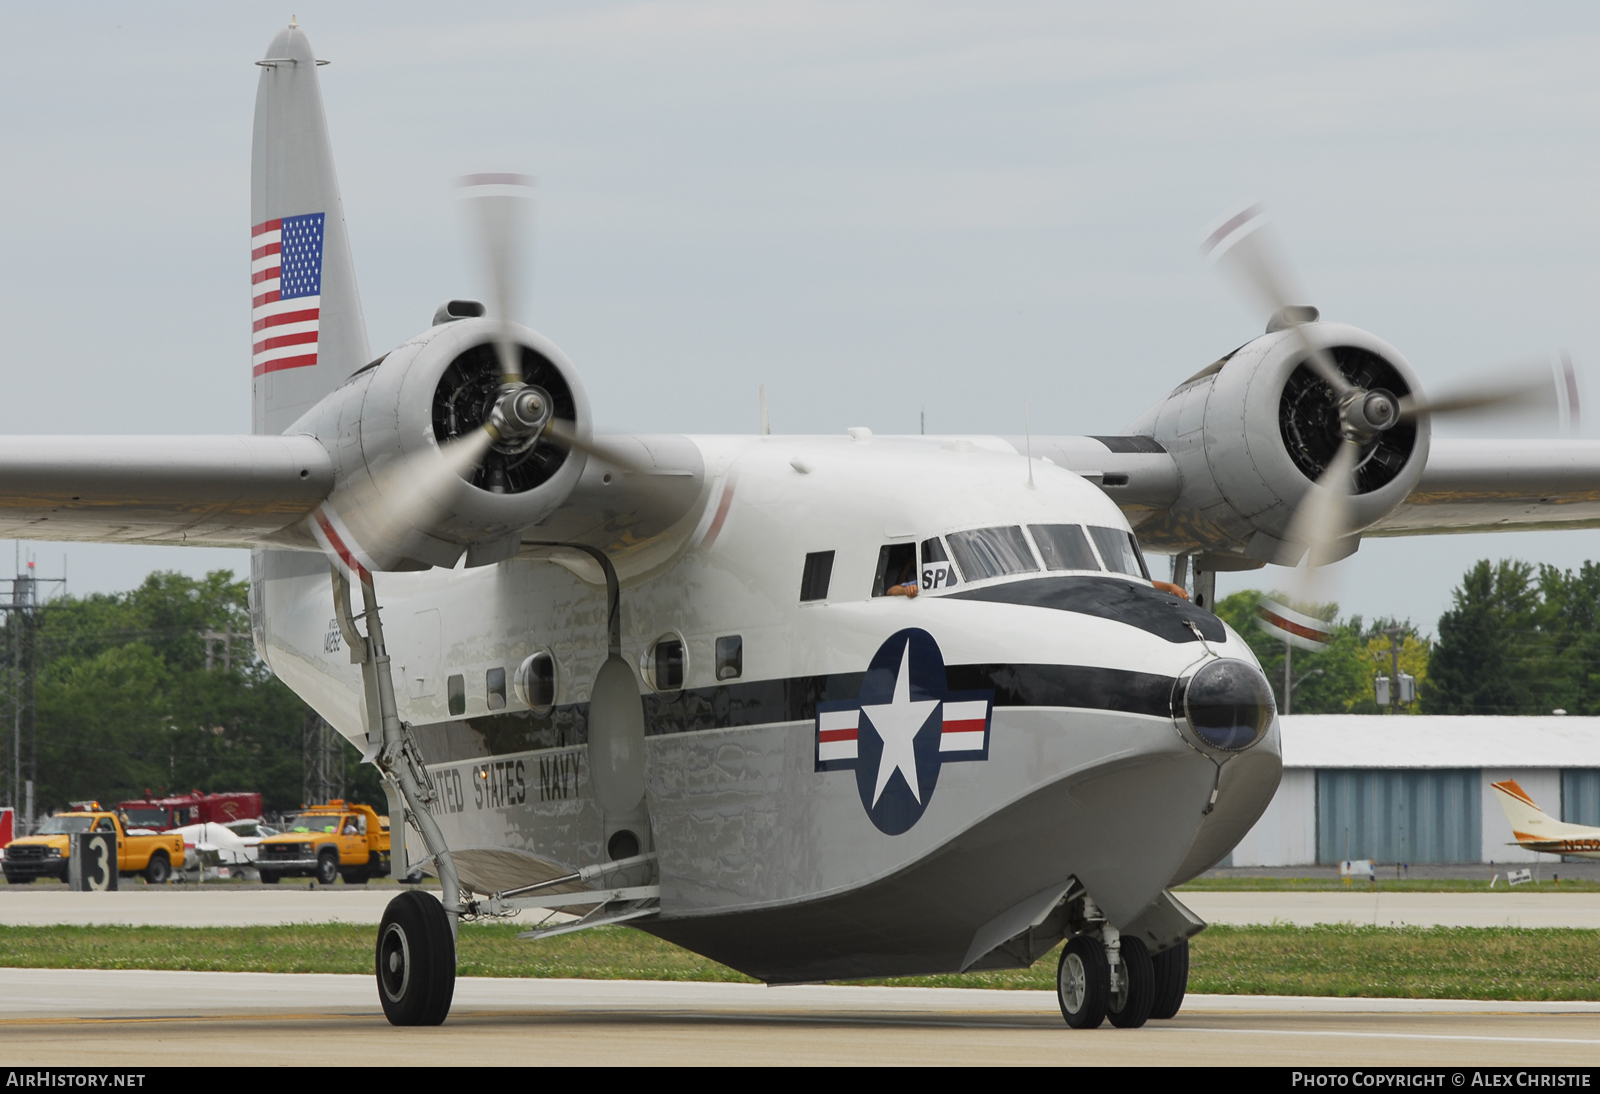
(1104, 974)
(416, 952)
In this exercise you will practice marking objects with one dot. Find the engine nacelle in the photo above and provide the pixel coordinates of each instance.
(397, 503)
(1251, 433)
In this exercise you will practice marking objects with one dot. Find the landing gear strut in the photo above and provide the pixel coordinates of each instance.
(416, 953)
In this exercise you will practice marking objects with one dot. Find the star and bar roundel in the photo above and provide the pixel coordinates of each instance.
(901, 729)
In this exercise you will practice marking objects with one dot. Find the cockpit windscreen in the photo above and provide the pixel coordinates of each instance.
(1120, 551)
(1063, 547)
(992, 552)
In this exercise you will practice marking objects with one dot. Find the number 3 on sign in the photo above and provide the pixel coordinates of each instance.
(100, 880)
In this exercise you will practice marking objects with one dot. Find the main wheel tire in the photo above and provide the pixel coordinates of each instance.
(354, 877)
(269, 878)
(159, 869)
(19, 879)
(327, 868)
(1130, 1003)
(416, 961)
(1083, 982)
(1171, 968)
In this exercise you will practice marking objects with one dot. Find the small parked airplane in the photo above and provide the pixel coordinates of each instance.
(1537, 830)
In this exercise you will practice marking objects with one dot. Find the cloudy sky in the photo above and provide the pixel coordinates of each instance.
(877, 210)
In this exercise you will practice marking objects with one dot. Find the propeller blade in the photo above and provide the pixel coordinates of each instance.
(1322, 520)
(409, 487)
(1246, 251)
(562, 433)
(1519, 387)
(499, 205)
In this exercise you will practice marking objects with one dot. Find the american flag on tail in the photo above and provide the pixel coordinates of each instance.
(286, 291)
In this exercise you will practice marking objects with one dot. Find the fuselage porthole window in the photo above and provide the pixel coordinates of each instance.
(816, 577)
(1119, 551)
(668, 663)
(992, 552)
(494, 682)
(897, 570)
(1063, 547)
(456, 690)
(937, 570)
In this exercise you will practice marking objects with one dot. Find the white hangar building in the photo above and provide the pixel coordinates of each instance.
(1416, 789)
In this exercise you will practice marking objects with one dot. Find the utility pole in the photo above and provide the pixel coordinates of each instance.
(21, 609)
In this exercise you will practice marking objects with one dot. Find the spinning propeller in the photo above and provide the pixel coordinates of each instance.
(1246, 252)
(522, 414)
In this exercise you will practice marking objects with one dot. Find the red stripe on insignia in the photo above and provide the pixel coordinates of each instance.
(305, 337)
(266, 226)
(265, 298)
(827, 736)
(285, 362)
(268, 249)
(284, 317)
(269, 274)
(974, 725)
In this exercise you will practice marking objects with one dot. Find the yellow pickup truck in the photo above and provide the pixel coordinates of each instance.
(47, 852)
(327, 842)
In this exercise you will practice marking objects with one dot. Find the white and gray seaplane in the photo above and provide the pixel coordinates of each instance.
(744, 692)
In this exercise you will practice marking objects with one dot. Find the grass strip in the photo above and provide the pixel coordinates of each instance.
(1388, 962)
(1384, 885)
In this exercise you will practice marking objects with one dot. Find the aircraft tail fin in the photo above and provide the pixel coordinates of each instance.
(1527, 819)
(308, 330)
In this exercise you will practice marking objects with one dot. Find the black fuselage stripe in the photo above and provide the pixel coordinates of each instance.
(766, 702)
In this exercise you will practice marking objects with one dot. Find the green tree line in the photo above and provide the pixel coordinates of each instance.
(1518, 639)
(125, 702)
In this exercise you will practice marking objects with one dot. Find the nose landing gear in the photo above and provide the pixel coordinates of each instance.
(1106, 974)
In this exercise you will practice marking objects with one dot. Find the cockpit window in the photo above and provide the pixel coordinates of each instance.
(1063, 547)
(937, 570)
(1120, 551)
(992, 552)
(897, 568)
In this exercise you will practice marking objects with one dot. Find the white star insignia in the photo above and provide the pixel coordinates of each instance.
(897, 723)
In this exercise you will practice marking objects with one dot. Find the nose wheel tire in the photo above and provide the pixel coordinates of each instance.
(416, 961)
(327, 870)
(1083, 982)
(1171, 969)
(1135, 989)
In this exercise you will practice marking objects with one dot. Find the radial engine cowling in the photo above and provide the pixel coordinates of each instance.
(1251, 434)
(397, 504)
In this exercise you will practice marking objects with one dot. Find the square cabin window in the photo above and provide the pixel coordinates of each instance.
(814, 580)
(730, 657)
(456, 689)
(897, 565)
(992, 552)
(495, 684)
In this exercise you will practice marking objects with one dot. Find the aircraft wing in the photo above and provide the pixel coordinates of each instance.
(230, 491)
(1501, 486)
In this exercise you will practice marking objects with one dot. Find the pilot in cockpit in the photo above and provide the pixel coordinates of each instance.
(901, 580)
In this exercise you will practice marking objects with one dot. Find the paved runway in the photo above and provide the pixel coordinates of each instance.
(248, 907)
(143, 1018)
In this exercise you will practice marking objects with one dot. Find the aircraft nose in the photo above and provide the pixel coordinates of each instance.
(1227, 703)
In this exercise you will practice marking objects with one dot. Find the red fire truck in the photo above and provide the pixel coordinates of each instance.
(162, 814)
